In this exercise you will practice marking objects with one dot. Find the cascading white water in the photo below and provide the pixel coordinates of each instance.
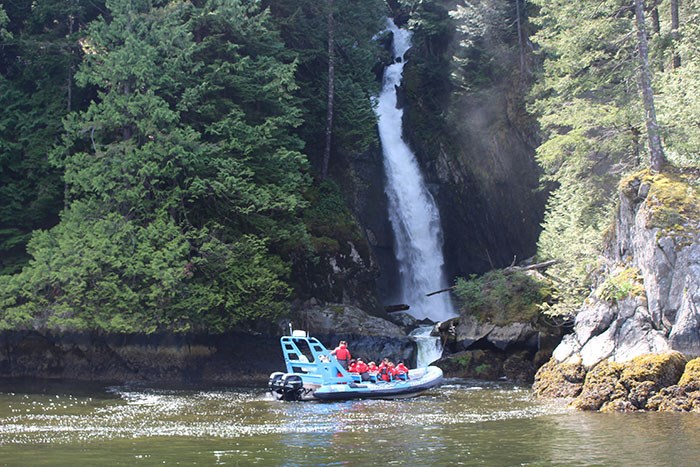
(429, 347)
(412, 211)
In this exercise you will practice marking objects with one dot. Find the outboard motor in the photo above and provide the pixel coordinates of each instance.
(275, 383)
(293, 387)
(286, 386)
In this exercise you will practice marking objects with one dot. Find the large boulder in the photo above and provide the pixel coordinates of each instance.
(471, 331)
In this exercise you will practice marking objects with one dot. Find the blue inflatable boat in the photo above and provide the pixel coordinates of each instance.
(313, 373)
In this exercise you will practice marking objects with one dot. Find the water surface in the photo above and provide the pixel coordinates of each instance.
(460, 423)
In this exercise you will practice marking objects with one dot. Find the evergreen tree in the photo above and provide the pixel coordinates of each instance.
(38, 51)
(183, 177)
(304, 28)
(596, 125)
(592, 123)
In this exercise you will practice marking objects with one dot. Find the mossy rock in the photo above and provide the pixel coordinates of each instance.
(690, 380)
(600, 387)
(662, 369)
(673, 200)
(556, 379)
(634, 385)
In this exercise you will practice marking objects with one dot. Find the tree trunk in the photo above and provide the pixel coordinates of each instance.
(71, 65)
(521, 45)
(658, 159)
(331, 91)
(674, 33)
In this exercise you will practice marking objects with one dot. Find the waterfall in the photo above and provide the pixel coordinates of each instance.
(412, 211)
(429, 347)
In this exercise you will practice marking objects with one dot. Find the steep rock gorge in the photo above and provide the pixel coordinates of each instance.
(474, 141)
(465, 117)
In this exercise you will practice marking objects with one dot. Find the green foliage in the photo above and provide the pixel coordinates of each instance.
(38, 50)
(185, 181)
(502, 297)
(304, 30)
(588, 105)
(678, 105)
(589, 112)
(620, 284)
(328, 219)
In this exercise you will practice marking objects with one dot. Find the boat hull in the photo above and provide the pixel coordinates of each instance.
(419, 381)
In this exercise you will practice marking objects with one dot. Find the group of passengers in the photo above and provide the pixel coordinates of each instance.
(385, 371)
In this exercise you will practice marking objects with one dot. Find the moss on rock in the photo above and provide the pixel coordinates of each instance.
(672, 199)
(630, 386)
(600, 386)
(555, 379)
(690, 380)
(681, 397)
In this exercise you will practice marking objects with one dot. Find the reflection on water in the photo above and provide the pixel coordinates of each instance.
(460, 423)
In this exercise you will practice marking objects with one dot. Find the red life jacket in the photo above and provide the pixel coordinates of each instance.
(361, 367)
(384, 373)
(342, 353)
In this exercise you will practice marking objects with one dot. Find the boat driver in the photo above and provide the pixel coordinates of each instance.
(342, 354)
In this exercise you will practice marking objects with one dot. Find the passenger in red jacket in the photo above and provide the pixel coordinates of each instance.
(384, 372)
(373, 371)
(363, 369)
(342, 354)
(402, 371)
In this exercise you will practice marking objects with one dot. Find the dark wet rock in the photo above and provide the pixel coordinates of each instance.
(233, 358)
(519, 367)
(345, 319)
(480, 364)
(368, 336)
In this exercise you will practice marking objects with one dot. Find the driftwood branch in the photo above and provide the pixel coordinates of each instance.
(440, 291)
(542, 265)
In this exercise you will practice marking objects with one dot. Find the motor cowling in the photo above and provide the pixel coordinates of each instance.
(292, 382)
(287, 386)
(275, 384)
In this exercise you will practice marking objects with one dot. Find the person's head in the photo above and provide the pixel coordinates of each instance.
(390, 363)
(372, 364)
(343, 344)
(385, 360)
(359, 359)
(352, 361)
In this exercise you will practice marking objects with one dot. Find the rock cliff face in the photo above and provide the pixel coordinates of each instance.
(634, 334)
(648, 300)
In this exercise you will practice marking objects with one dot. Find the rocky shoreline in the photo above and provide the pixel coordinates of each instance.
(653, 382)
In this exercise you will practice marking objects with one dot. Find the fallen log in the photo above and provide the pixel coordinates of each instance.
(542, 265)
(440, 291)
(394, 308)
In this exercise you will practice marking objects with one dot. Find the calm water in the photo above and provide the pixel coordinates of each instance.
(460, 423)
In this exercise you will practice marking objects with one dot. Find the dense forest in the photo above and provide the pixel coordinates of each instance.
(168, 164)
